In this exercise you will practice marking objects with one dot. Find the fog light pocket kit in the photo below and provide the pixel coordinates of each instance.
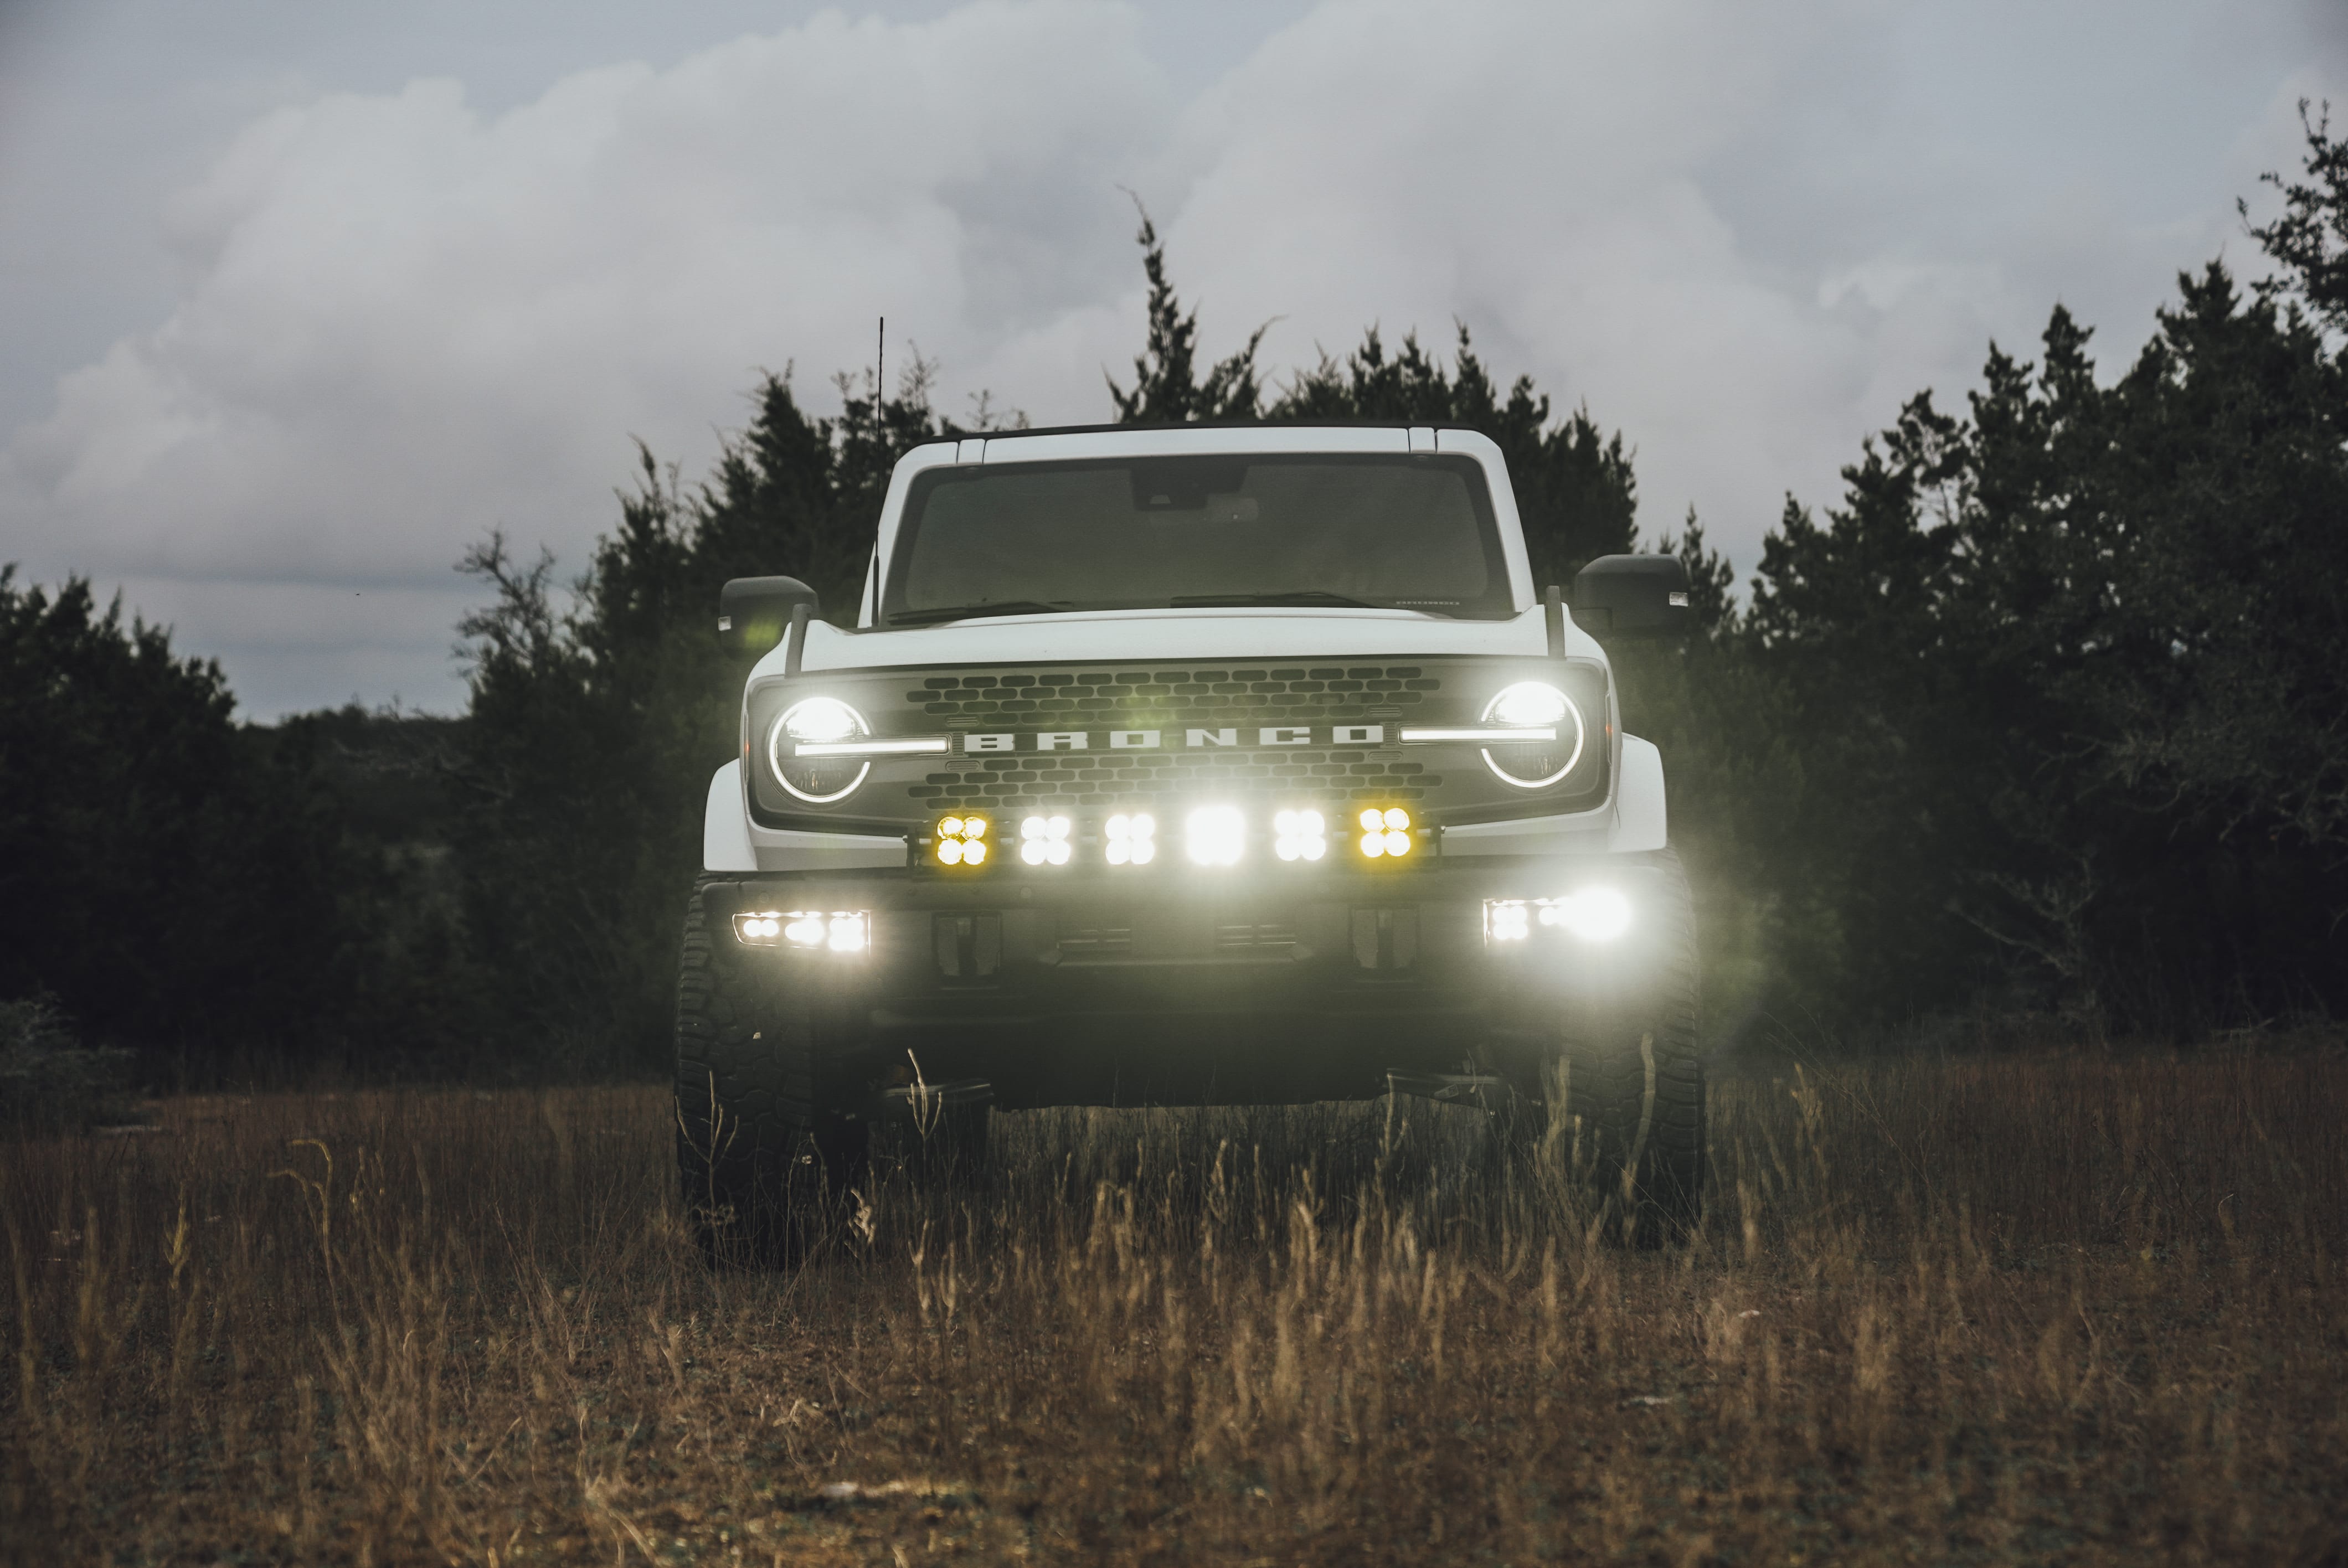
(1599, 914)
(810, 930)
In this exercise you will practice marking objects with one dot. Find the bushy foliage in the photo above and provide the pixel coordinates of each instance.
(167, 875)
(594, 725)
(49, 1081)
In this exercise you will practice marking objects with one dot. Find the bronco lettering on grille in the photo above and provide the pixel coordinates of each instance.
(1154, 740)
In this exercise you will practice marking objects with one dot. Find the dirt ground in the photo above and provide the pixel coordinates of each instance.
(2075, 1310)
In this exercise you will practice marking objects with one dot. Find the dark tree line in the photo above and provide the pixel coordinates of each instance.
(2046, 712)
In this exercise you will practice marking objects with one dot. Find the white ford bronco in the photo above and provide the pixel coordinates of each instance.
(1164, 766)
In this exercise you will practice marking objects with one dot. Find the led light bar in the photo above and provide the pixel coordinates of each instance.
(1299, 836)
(1129, 838)
(1482, 735)
(960, 840)
(925, 746)
(1386, 834)
(1215, 834)
(1045, 839)
(837, 931)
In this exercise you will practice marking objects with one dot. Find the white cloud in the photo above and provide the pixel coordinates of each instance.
(406, 323)
(1742, 234)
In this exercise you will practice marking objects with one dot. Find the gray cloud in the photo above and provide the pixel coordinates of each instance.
(1742, 234)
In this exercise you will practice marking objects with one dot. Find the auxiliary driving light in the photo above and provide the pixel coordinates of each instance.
(1299, 836)
(1591, 914)
(1132, 839)
(1384, 833)
(841, 931)
(1215, 834)
(960, 840)
(1042, 838)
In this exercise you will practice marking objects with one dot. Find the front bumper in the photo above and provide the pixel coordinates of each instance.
(1092, 986)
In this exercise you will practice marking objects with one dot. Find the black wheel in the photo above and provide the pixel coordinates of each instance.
(767, 1148)
(1620, 1083)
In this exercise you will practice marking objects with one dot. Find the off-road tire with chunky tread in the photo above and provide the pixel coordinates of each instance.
(765, 1150)
(1625, 1082)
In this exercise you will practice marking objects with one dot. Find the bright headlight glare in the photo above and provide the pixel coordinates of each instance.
(1534, 705)
(1526, 704)
(822, 718)
(816, 721)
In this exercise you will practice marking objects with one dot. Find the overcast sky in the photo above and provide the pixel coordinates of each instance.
(298, 298)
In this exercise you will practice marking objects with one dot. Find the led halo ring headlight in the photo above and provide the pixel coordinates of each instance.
(818, 780)
(1526, 705)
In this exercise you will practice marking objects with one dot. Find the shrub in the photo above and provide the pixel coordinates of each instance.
(48, 1080)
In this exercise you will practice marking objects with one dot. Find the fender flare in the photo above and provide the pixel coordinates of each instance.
(725, 829)
(1635, 824)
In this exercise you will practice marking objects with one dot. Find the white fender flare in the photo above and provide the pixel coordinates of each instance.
(725, 827)
(1636, 821)
(1641, 822)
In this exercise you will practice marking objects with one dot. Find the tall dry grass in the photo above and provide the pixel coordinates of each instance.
(2072, 1310)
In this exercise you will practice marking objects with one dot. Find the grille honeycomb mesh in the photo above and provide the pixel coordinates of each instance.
(1171, 700)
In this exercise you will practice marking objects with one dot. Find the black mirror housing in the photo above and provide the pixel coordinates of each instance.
(753, 612)
(1634, 596)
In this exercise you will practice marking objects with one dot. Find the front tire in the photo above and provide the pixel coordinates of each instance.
(1621, 1083)
(767, 1152)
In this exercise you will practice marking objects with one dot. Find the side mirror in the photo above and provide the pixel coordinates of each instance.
(753, 612)
(1634, 596)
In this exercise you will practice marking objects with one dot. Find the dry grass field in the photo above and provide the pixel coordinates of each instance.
(2008, 1309)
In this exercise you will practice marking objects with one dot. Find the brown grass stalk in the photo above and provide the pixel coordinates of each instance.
(2069, 1309)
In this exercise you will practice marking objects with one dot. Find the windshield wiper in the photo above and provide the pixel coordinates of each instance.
(971, 611)
(1297, 596)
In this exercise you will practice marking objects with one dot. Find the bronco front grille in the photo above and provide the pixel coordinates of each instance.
(1237, 696)
(1110, 778)
(1141, 698)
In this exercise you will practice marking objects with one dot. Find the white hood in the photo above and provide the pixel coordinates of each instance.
(1220, 632)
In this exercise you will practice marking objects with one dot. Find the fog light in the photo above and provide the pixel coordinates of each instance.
(1215, 834)
(1592, 913)
(1042, 838)
(960, 840)
(842, 930)
(1509, 919)
(1384, 833)
(1299, 836)
(1132, 838)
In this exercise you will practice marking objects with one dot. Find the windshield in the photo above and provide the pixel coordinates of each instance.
(1393, 531)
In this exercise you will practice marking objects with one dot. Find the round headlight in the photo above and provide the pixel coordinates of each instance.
(1534, 764)
(818, 781)
(822, 718)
